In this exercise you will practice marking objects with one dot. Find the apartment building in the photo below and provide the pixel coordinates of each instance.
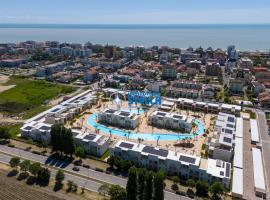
(38, 128)
(92, 144)
(174, 163)
(221, 145)
(170, 121)
(208, 107)
(119, 118)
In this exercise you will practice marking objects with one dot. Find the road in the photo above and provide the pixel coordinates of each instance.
(81, 182)
(91, 178)
(263, 129)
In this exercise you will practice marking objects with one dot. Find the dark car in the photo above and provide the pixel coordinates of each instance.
(76, 169)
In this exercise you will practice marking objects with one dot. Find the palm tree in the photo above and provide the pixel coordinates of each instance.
(110, 131)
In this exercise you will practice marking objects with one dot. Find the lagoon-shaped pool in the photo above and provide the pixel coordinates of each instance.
(146, 136)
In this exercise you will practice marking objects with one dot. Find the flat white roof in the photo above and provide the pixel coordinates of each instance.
(239, 127)
(238, 153)
(258, 170)
(237, 184)
(254, 131)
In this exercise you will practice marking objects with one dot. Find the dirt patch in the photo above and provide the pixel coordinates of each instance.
(3, 80)
(13, 189)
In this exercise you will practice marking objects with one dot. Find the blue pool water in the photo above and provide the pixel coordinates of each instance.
(146, 136)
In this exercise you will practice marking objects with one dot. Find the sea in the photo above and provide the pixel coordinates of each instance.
(246, 37)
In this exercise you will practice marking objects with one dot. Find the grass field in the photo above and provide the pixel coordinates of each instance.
(29, 97)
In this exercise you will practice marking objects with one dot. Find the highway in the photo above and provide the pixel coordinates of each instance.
(87, 178)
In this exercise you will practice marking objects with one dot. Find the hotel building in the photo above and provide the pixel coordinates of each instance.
(38, 128)
(174, 163)
(170, 121)
(119, 118)
(91, 143)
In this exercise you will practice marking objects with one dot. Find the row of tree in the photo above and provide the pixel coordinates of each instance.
(145, 185)
(120, 164)
(41, 174)
(62, 140)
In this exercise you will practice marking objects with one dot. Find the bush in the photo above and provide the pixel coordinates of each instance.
(11, 145)
(99, 170)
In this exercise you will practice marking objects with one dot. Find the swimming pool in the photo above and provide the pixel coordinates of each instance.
(146, 136)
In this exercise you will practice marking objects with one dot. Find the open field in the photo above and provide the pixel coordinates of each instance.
(29, 97)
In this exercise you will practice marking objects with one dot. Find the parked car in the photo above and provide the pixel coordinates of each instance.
(76, 169)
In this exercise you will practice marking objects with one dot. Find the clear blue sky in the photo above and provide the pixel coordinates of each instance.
(135, 11)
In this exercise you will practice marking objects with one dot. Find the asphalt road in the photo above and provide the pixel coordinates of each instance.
(263, 130)
(88, 178)
(81, 182)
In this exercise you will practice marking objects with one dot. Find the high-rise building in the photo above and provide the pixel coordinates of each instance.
(108, 51)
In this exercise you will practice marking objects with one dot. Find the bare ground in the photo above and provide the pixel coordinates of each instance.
(3, 80)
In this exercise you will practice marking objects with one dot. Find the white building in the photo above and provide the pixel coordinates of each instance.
(91, 143)
(211, 107)
(174, 163)
(221, 145)
(38, 128)
(258, 172)
(119, 118)
(170, 121)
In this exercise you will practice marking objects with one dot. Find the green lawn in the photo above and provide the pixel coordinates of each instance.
(29, 96)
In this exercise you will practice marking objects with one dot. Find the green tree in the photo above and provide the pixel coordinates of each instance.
(202, 188)
(158, 186)
(43, 176)
(216, 189)
(79, 152)
(141, 182)
(4, 134)
(131, 187)
(59, 177)
(117, 193)
(175, 180)
(14, 162)
(191, 183)
(34, 168)
(24, 165)
(104, 189)
(111, 160)
(72, 187)
(148, 189)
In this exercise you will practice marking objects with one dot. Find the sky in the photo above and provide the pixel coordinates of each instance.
(135, 11)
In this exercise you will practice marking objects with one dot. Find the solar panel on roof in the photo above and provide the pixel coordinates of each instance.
(158, 152)
(46, 128)
(177, 116)
(110, 111)
(230, 119)
(161, 114)
(55, 110)
(228, 170)
(126, 145)
(28, 128)
(90, 137)
(187, 159)
(228, 131)
(228, 140)
(230, 125)
(221, 173)
(125, 114)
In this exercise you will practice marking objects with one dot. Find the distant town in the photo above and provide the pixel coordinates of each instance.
(195, 122)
